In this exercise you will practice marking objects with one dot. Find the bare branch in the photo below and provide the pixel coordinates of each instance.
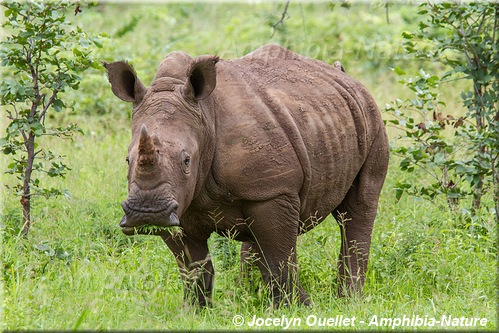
(25, 138)
(496, 18)
(46, 106)
(10, 116)
(281, 21)
(387, 4)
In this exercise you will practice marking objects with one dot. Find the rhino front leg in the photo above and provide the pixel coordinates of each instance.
(195, 266)
(275, 226)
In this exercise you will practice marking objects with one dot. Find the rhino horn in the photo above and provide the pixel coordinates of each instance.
(147, 149)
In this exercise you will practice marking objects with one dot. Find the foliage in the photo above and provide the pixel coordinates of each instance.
(44, 56)
(456, 150)
(424, 144)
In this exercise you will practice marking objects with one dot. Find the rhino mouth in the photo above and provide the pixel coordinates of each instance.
(146, 229)
(149, 220)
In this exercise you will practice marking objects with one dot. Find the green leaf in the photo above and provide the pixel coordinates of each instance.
(399, 71)
(407, 35)
(77, 52)
(58, 105)
(398, 193)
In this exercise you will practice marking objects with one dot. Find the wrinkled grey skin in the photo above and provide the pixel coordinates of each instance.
(261, 148)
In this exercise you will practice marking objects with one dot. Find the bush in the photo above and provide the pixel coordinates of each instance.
(43, 56)
(460, 152)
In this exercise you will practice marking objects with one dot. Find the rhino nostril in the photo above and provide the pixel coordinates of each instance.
(173, 206)
(174, 220)
(124, 206)
(172, 215)
(123, 221)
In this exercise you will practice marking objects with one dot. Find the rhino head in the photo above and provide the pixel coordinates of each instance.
(169, 139)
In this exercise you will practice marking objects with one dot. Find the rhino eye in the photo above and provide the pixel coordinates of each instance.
(186, 161)
(127, 160)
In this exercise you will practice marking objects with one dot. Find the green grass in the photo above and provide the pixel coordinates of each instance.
(76, 270)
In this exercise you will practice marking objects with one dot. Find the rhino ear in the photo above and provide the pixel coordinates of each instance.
(124, 82)
(202, 78)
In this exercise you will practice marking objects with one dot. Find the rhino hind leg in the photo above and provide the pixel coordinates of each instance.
(249, 256)
(355, 216)
(248, 263)
(275, 249)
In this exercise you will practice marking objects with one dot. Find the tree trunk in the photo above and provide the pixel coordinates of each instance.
(479, 157)
(26, 195)
(496, 192)
(495, 163)
(25, 202)
(482, 148)
(477, 195)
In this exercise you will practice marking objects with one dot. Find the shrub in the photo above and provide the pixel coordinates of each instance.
(43, 56)
(464, 38)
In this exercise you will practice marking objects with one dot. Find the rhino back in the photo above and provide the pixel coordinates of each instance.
(290, 125)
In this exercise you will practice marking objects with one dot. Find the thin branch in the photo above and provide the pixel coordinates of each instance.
(49, 103)
(484, 17)
(9, 115)
(475, 56)
(281, 21)
(496, 18)
(387, 4)
(25, 138)
(13, 104)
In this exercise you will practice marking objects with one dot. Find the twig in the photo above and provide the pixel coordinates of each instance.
(41, 117)
(387, 4)
(281, 21)
(496, 18)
